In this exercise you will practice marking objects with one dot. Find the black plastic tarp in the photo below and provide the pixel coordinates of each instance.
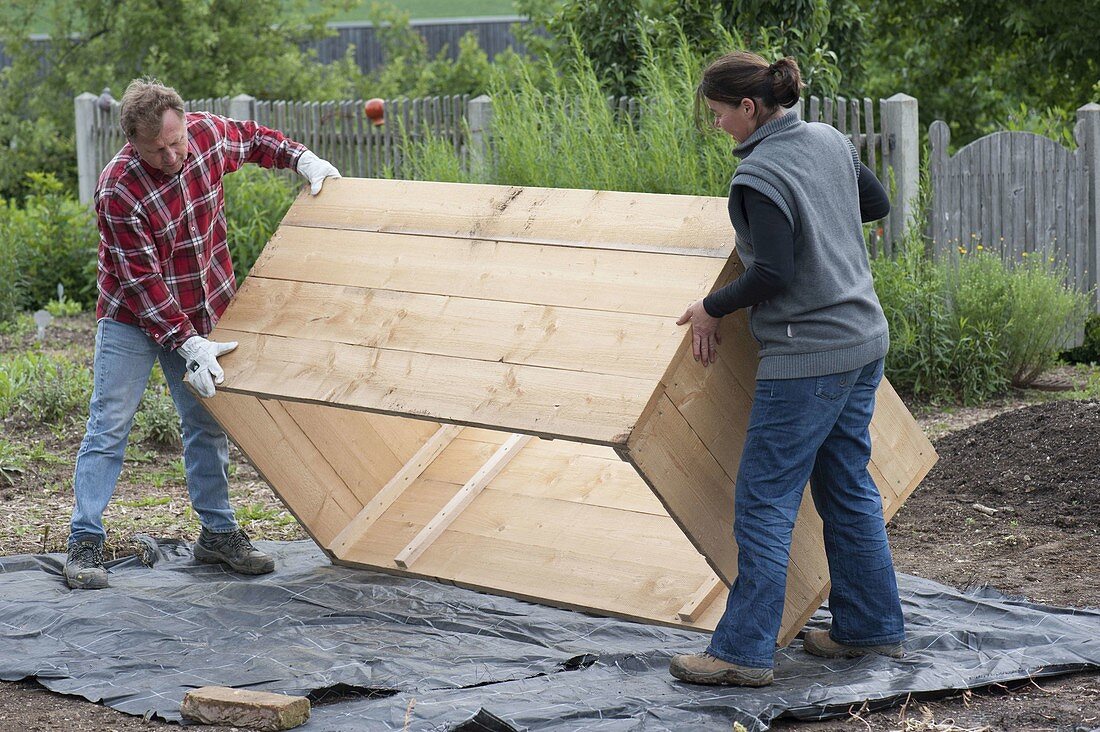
(427, 656)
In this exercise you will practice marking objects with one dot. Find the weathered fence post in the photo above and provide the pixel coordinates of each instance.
(86, 173)
(1087, 132)
(798, 108)
(479, 116)
(242, 107)
(900, 125)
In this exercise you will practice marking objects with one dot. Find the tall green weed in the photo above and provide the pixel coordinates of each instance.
(554, 126)
(46, 389)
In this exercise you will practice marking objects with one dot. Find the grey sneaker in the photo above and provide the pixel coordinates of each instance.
(819, 643)
(234, 549)
(84, 568)
(703, 668)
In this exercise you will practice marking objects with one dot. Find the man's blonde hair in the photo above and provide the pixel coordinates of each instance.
(144, 104)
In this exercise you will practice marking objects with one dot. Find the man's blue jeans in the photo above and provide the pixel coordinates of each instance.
(124, 358)
(812, 429)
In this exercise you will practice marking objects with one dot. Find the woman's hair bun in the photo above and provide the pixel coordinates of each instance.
(786, 81)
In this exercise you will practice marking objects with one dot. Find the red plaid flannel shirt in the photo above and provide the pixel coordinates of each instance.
(164, 265)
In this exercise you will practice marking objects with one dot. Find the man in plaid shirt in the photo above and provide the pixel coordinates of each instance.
(165, 277)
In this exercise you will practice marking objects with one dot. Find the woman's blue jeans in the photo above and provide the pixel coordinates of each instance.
(812, 429)
(124, 358)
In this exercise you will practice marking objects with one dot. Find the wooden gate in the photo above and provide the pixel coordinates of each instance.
(1017, 194)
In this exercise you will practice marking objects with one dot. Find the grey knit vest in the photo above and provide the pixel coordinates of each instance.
(828, 320)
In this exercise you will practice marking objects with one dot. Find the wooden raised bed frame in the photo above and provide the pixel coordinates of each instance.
(485, 385)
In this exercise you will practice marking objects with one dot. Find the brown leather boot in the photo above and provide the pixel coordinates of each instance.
(819, 643)
(703, 668)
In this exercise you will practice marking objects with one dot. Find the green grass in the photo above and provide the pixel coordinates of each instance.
(423, 9)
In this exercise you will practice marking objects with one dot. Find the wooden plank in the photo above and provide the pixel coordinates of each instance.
(698, 603)
(551, 470)
(462, 499)
(625, 344)
(623, 589)
(627, 282)
(545, 402)
(279, 457)
(601, 219)
(937, 141)
(350, 444)
(393, 489)
(687, 479)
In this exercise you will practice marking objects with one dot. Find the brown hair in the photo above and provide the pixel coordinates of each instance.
(144, 104)
(740, 74)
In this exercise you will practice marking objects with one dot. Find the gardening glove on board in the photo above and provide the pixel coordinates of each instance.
(315, 170)
(201, 356)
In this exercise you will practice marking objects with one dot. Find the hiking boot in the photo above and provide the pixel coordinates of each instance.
(234, 549)
(819, 643)
(703, 668)
(84, 568)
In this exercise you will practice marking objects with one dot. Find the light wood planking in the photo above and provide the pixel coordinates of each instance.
(349, 443)
(691, 484)
(377, 317)
(462, 499)
(288, 460)
(393, 489)
(701, 600)
(545, 469)
(587, 407)
(554, 337)
(627, 282)
(609, 219)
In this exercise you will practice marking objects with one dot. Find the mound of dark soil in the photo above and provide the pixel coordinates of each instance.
(1013, 503)
(1042, 462)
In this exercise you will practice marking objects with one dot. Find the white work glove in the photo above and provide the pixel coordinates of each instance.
(315, 170)
(201, 357)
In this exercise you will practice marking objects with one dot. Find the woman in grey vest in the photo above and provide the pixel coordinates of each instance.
(797, 202)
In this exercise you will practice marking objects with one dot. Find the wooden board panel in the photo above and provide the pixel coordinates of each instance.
(303, 479)
(350, 445)
(690, 483)
(593, 407)
(462, 500)
(571, 339)
(600, 219)
(546, 548)
(406, 475)
(383, 309)
(626, 282)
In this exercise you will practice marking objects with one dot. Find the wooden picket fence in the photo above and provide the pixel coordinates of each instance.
(1021, 195)
(340, 132)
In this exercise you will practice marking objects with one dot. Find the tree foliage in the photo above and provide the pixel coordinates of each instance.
(613, 34)
(203, 48)
(973, 63)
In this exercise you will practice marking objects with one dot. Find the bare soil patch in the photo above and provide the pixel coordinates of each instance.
(1030, 463)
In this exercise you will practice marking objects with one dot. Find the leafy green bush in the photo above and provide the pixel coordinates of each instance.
(935, 352)
(48, 389)
(64, 307)
(966, 328)
(255, 202)
(53, 238)
(34, 146)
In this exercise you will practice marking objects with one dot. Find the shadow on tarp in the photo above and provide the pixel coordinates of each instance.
(427, 656)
